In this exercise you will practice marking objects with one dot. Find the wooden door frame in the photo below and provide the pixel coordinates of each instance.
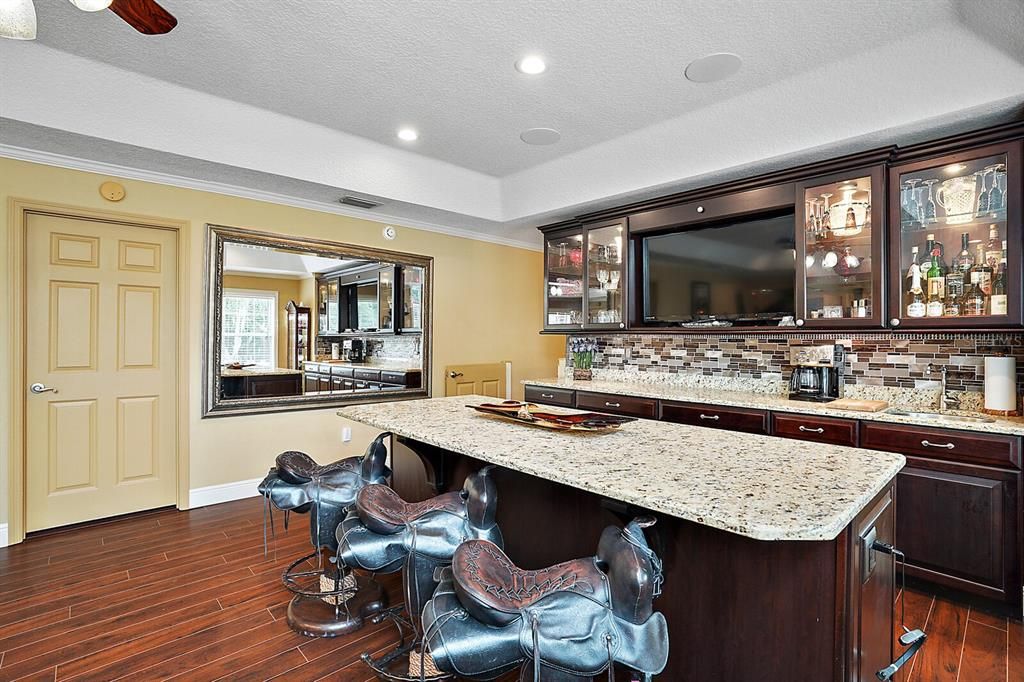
(17, 221)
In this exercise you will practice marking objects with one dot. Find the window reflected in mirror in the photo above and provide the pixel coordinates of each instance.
(298, 323)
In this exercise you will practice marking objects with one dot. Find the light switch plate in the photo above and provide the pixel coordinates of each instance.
(346, 434)
(868, 554)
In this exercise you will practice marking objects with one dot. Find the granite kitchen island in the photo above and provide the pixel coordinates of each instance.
(766, 575)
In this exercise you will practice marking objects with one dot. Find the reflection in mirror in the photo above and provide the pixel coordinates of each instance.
(299, 323)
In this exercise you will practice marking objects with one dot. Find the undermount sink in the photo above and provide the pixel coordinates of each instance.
(938, 416)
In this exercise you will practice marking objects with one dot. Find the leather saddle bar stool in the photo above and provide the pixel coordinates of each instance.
(328, 600)
(385, 534)
(573, 621)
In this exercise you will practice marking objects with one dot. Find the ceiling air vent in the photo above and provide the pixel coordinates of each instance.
(359, 202)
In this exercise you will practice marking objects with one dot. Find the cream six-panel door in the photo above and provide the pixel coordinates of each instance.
(101, 355)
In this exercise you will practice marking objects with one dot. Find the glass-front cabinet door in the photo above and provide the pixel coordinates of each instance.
(564, 285)
(606, 276)
(956, 240)
(839, 239)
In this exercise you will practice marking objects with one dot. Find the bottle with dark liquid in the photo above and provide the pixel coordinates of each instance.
(974, 300)
(994, 247)
(981, 273)
(998, 303)
(964, 260)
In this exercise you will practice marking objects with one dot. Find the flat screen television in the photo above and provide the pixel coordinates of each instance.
(740, 272)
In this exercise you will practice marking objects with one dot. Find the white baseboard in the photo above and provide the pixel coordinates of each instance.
(225, 492)
(3, 534)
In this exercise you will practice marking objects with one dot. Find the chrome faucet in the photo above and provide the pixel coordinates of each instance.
(946, 401)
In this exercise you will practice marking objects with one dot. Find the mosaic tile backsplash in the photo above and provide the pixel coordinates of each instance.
(896, 360)
(397, 347)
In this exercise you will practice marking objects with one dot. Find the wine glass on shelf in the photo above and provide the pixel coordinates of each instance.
(997, 192)
(984, 193)
(613, 282)
(909, 204)
(825, 226)
(563, 256)
(928, 213)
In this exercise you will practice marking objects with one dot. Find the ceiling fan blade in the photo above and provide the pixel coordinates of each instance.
(145, 16)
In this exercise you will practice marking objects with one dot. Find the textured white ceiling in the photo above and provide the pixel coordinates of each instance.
(303, 97)
(446, 68)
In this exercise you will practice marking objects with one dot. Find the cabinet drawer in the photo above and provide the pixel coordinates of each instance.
(817, 429)
(341, 371)
(550, 396)
(946, 444)
(367, 374)
(397, 378)
(731, 418)
(617, 404)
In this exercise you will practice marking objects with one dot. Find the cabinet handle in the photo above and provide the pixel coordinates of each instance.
(800, 322)
(807, 430)
(607, 404)
(547, 395)
(712, 417)
(895, 322)
(948, 446)
(622, 325)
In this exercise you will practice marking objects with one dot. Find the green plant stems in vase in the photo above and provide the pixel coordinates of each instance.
(582, 349)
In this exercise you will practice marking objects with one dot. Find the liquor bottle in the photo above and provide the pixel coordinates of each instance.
(914, 260)
(915, 295)
(994, 248)
(936, 287)
(997, 301)
(964, 260)
(974, 300)
(981, 273)
(930, 244)
(953, 306)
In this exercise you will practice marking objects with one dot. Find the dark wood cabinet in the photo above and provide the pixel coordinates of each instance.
(958, 525)
(329, 376)
(818, 429)
(970, 195)
(873, 208)
(716, 417)
(618, 404)
(262, 385)
(958, 516)
(585, 277)
(840, 233)
(550, 396)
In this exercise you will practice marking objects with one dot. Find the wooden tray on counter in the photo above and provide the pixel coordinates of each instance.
(513, 410)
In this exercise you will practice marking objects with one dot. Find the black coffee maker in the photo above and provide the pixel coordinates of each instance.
(357, 351)
(817, 373)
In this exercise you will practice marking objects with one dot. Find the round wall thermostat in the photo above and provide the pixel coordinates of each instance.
(390, 232)
(112, 191)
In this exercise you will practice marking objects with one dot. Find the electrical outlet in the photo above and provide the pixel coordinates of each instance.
(346, 434)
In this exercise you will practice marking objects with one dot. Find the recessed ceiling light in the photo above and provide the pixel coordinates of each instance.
(955, 168)
(540, 136)
(531, 65)
(408, 134)
(713, 67)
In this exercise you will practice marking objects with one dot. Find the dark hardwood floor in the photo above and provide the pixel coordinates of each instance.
(190, 596)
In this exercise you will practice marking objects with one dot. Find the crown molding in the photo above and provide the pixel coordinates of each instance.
(129, 173)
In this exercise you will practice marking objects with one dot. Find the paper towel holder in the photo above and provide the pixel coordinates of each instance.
(1005, 383)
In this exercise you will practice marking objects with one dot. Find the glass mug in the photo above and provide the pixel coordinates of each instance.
(956, 196)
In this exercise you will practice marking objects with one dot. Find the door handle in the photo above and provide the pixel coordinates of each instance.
(38, 388)
(454, 375)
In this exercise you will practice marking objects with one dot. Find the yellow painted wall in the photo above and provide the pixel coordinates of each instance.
(286, 289)
(487, 307)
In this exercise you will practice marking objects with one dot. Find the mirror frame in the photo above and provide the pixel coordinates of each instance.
(219, 235)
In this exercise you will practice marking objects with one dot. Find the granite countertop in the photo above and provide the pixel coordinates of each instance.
(773, 401)
(761, 487)
(258, 371)
(386, 365)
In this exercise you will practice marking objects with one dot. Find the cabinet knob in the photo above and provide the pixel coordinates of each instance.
(799, 321)
(700, 209)
(895, 322)
(622, 325)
